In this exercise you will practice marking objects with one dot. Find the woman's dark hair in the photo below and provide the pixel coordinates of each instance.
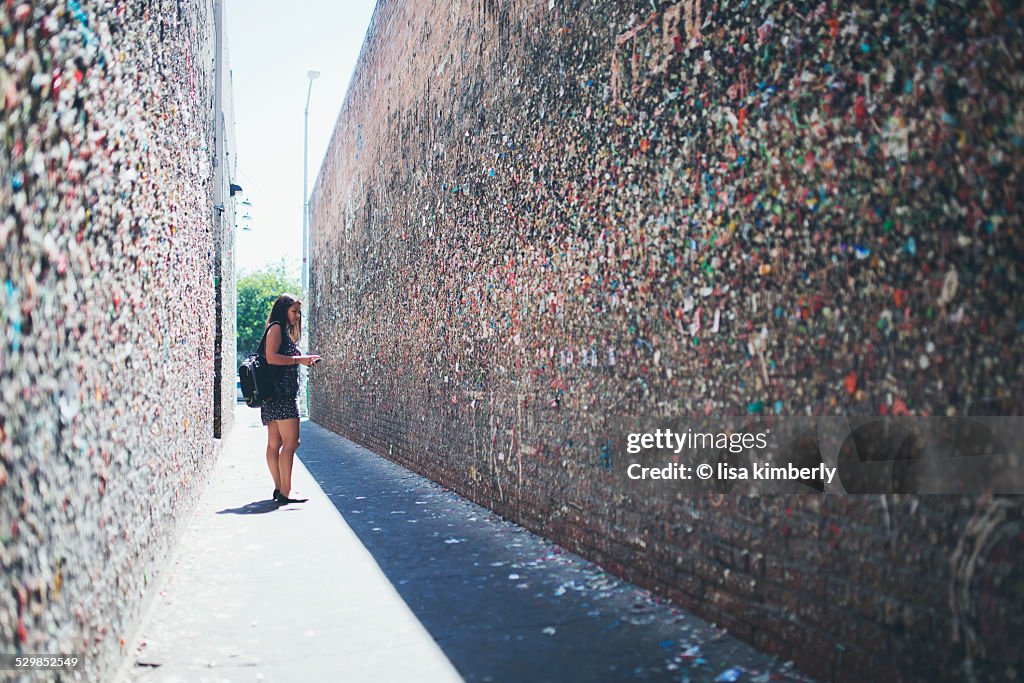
(279, 314)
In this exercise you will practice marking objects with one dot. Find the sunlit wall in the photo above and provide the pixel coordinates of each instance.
(107, 249)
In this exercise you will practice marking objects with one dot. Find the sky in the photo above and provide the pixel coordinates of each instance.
(272, 45)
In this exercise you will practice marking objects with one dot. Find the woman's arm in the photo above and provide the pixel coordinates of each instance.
(275, 358)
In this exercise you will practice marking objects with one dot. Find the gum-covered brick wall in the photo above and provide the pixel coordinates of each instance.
(537, 217)
(106, 358)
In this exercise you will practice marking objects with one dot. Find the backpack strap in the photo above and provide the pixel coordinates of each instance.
(261, 350)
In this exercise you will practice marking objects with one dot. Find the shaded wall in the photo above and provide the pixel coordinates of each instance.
(108, 319)
(536, 218)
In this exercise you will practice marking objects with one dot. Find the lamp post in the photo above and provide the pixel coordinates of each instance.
(305, 223)
(305, 192)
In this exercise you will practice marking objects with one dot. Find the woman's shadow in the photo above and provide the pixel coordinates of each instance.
(258, 507)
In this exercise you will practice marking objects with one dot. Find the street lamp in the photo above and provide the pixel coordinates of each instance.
(305, 192)
(305, 210)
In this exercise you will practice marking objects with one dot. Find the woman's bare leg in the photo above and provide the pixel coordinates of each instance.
(289, 430)
(274, 443)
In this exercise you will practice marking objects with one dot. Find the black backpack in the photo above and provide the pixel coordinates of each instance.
(258, 377)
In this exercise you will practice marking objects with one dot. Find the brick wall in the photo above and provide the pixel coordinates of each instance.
(536, 219)
(108, 317)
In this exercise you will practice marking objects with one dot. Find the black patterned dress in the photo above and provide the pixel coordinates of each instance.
(287, 383)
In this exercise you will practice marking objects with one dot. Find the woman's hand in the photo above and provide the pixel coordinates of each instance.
(309, 360)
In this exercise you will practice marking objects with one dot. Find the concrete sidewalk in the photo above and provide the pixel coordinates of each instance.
(258, 592)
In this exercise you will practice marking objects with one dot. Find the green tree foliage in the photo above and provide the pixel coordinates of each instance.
(256, 294)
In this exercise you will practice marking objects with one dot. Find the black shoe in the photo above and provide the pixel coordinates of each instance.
(277, 494)
(285, 500)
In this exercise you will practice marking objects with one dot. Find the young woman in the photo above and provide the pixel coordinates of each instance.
(281, 416)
